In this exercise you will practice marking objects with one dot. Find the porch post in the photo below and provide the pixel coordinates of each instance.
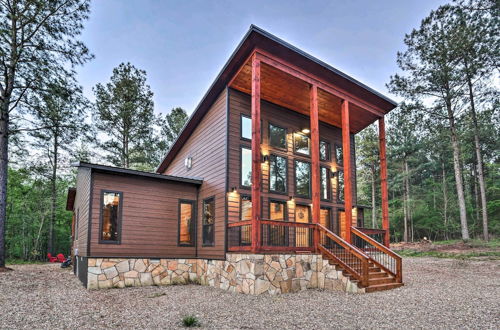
(315, 169)
(256, 154)
(383, 181)
(346, 152)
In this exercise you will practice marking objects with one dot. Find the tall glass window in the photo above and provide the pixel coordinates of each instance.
(340, 185)
(278, 174)
(302, 178)
(246, 127)
(111, 216)
(246, 207)
(339, 155)
(324, 150)
(208, 221)
(186, 223)
(246, 167)
(325, 186)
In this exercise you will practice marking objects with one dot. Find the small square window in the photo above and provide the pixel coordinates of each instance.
(301, 144)
(277, 136)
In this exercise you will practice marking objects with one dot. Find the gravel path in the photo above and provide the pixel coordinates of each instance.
(438, 293)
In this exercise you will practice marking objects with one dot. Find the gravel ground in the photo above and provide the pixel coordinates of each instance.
(438, 293)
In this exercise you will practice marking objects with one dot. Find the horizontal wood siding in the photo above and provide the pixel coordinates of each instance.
(293, 122)
(150, 216)
(207, 147)
(81, 209)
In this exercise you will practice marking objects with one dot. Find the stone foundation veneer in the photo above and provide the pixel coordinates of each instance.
(245, 273)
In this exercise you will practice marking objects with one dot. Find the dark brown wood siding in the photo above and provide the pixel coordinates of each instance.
(207, 147)
(239, 103)
(81, 209)
(150, 211)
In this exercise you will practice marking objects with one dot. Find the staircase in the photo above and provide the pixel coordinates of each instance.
(366, 262)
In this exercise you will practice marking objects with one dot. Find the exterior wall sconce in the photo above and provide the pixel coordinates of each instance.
(234, 190)
(306, 130)
(291, 199)
(265, 159)
(188, 162)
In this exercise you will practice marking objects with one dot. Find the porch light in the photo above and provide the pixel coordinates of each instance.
(306, 130)
(265, 159)
(234, 189)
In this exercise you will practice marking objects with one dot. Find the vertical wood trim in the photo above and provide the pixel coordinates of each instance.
(346, 146)
(315, 168)
(89, 225)
(383, 180)
(226, 193)
(256, 154)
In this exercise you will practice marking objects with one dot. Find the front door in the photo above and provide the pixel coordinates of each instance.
(302, 214)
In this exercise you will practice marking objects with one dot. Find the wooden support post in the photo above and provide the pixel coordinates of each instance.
(346, 152)
(315, 169)
(383, 181)
(256, 154)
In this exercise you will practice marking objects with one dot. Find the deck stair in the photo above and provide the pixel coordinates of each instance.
(366, 262)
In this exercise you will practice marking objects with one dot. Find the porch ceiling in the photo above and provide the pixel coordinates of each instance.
(291, 92)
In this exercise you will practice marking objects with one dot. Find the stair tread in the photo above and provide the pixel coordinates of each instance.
(381, 287)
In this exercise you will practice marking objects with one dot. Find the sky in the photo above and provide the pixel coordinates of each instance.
(182, 45)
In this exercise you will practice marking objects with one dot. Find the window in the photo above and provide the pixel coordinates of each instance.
(278, 174)
(324, 217)
(324, 150)
(302, 178)
(246, 207)
(324, 183)
(339, 156)
(186, 223)
(340, 185)
(208, 221)
(301, 144)
(277, 210)
(277, 136)
(246, 167)
(246, 127)
(110, 216)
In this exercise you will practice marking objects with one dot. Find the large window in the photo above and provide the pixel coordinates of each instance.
(186, 222)
(340, 185)
(324, 150)
(339, 155)
(277, 136)
(300, 144)
(246, 127)
(110, 216)
(324, 183)
(246, 207)
(277, 210)
(278, 174)
(302, 178)
(246, 167)
(208, 221)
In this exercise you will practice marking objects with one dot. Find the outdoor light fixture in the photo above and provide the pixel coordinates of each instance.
(291, 198)
(306, 130)
(265, 158)
(234, 189)
(188, 162)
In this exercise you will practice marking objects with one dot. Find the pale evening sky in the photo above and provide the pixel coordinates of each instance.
(183, 45)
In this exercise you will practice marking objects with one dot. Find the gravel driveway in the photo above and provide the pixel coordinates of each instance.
(438, 293)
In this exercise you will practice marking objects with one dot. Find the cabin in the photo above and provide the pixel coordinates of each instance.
(257, 194)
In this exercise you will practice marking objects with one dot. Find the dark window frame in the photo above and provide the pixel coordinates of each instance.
(269, 123)
(308, 145)
(205, 201)
(119, 221)
(286, 175)
(241, 127)
(328, 184)
(241, 167)
(339, 164)
(295, 178)
(193, 223)
(277, 200)
(328, 151)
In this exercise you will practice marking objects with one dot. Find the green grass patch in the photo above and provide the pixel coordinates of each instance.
(190, 321)
(23, 262)
(477, 243)
(493, 255)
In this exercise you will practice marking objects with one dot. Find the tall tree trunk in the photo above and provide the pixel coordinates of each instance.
(4, 163)
(458, 172)
(479, 158)
(445, 201)
(374, 199)
(405, 206)
(53, 192)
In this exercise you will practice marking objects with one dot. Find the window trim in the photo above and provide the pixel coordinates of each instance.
(193, 224)
(336, 160)
(308, 145)
(202, 224)
(241, 126)
(119, 221)
(295, 178)
(241, 167)
(328, 184)
(328, 149)
(269, 123)
(277, 200)
(269, 175)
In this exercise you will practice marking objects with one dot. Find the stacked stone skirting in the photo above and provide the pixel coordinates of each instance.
(245, 273)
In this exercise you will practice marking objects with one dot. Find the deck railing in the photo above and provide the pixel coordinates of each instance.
(346, 255)
(378, 253)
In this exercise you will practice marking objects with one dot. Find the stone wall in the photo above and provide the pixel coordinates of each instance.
(245, 273)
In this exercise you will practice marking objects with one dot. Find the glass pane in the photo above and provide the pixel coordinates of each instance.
(246, 208)
(324, 183)
(246, 167)
(277, 180)
(246, 127)
(324, 150)
(110, 209)
(302, 178)
(277, 136)
(340, 186)
(186, 218)
(277, 210)
(208, 221)
(301, 144)
(339, 157)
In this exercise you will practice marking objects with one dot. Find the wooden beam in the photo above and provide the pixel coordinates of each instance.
(315, 171)
(256, 154)
(346, 152)
(383, 181)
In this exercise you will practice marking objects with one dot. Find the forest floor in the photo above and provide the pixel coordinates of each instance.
(475, 249)
(438, 293)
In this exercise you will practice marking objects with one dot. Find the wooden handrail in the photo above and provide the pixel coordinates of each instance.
(370, 230)
(240, 223)
(357, 252)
